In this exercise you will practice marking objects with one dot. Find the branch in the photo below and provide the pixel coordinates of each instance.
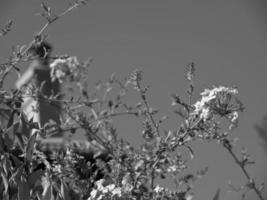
(251, 181)
(11, 63)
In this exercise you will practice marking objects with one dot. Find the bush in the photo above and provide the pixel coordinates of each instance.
(105, 166)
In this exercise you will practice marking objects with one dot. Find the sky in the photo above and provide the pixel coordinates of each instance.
(226, 39)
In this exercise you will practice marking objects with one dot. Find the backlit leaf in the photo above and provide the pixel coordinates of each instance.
(48, 193)
(64, 191)
(30, 147)
(5, 181)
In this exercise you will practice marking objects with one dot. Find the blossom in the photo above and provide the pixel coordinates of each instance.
(158, 189)
(204, 108)
(62, 68)
(104, 191)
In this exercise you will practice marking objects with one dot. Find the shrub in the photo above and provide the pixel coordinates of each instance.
(105, 166)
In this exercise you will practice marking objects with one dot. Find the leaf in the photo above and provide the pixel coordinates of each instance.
(6, 165)
(30, 147)
(34, 177)
(24, 128)
(16, 160)
(9, 136)
(64, 191)
(5, 181)
(17, 174)
(11, 119)
(48, 193)
(24, 191)
(217, 195)
(191, 152)
(1, 146)
(46, 8)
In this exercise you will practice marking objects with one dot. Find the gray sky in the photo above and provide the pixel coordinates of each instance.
(226, 39)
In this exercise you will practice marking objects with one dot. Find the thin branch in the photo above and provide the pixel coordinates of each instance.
(251, 181)
(13, 62)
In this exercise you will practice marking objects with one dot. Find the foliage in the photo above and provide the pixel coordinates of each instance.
(114, 169)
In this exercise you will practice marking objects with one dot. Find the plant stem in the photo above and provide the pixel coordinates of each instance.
(242, 166)
(13, 62)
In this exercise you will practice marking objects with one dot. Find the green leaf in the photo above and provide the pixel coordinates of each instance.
(64, 191)
(217, 195)
(24, 190)
(30, 147)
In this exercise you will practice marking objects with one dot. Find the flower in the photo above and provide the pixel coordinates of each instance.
(105, 191)
(204, 108)
(62, 68)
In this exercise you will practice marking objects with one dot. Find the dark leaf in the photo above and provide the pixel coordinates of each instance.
(9, 136)
(11, 119)
(1, 146)
(24, 128)
(15, 159)
(34, 177)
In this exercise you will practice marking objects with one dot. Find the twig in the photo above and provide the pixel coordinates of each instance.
(242, 166)
(13, 62)
(144, 99)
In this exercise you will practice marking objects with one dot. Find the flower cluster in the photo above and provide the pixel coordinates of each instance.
(102, 192)
(66, 68)
(164, 193)
(135, 79)
(217, 101)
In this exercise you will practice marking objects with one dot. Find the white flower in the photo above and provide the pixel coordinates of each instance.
(234, 120)
(99, 184)
(172, 168)
(234, 116)
(117, 191)
(93, 194)
(202, 108)
(61, 68)
(158, 189)
(57, 62)
(72, 62)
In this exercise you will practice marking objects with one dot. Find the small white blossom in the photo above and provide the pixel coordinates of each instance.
(61, 68)
(103, 191)
(158, 189)
(172, 168)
